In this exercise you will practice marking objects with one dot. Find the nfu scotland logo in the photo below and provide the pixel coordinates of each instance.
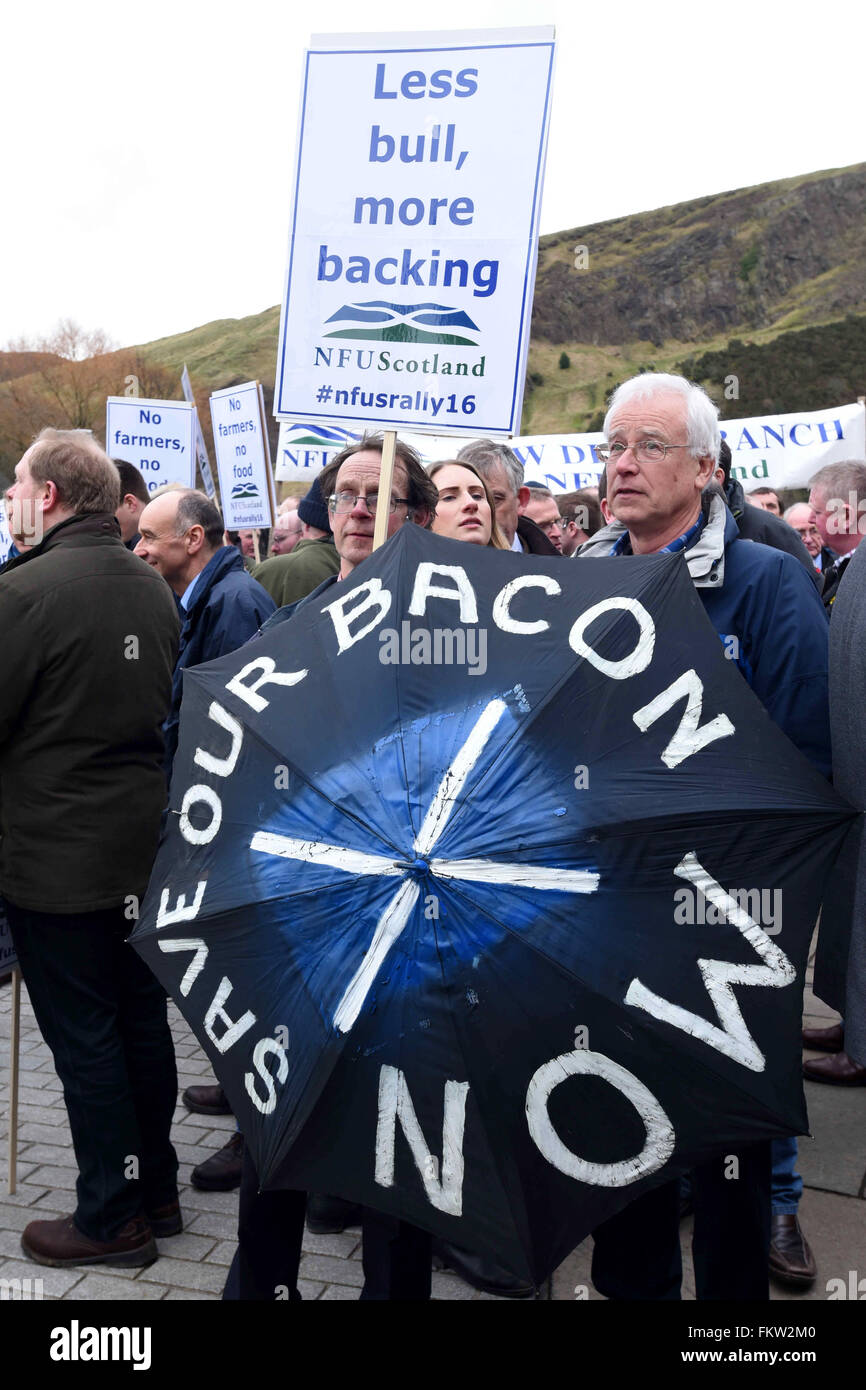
(240, 491)
(382, 321)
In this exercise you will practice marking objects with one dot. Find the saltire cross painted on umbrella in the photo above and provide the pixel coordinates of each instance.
(424, 917)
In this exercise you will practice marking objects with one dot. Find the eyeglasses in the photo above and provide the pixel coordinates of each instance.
(341, 503)
(645, 451)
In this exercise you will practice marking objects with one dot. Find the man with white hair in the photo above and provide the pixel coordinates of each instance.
(662, 447)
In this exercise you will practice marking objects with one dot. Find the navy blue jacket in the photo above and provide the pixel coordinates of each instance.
(227, 609)
(769, 603)
(764, 605)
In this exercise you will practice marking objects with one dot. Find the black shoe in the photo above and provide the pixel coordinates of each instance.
(481, 1272)
(222, 1171)
(328, 1216)
(206, 1100)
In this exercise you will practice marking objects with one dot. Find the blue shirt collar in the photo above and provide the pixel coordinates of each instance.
(186, 596)
(622, 546)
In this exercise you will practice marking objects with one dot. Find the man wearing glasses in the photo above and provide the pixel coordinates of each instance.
(542, 509)
(662, 447)
(396, 1256)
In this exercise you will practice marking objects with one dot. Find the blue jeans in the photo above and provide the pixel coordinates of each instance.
(787, 1185)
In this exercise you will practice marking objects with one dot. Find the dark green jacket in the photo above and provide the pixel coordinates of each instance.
(88, 638)
(288, 578)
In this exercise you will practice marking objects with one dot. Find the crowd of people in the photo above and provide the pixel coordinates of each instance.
(112, 592)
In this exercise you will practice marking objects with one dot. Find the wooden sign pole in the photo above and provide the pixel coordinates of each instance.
(386, 477)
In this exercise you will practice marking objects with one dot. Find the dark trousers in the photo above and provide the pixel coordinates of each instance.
(396, 1262)
(103, 1015)
(637, 1252)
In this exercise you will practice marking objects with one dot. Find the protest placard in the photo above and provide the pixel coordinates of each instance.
(243, 456)
(200, 446)
(414, 232)
(157, 437)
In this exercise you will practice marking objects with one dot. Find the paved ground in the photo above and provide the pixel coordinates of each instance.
(193, 1265)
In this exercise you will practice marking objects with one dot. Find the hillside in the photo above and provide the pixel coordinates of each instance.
(751, 268)
(765, 283)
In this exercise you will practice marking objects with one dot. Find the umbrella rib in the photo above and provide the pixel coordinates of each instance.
(351, 861)
(517, 875)
(455, 778)
(388, 929)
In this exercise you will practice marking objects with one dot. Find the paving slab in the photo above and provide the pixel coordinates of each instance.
(176, 1295)
(331, 1270)
(339, 1244)
(56, 1282)
(209, 1223)
(834, 1159)
(310, 1290)
(186, 1246)
(106, 1286)
(184, 1274)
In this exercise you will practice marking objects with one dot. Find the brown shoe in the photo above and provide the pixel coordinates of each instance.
(837, 1070)
(60, 1243)
(222, 1171)
(791, 1258)
(206, 1100)
(166, 1220)
(824, 1039)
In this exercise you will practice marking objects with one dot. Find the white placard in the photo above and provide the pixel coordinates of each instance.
(157, 437)
(414, 232)
(242, 456)
(200, 446)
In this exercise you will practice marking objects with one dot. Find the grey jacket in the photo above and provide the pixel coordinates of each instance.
(840, 965)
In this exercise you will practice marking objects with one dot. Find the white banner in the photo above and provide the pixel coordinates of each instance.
(200, 446)
(157, 437)
(768, 451)
(414, 232)
(242, 456)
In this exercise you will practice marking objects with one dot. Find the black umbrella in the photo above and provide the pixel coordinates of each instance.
(488, 888)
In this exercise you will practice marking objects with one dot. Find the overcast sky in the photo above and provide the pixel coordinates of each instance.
(148, 149)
